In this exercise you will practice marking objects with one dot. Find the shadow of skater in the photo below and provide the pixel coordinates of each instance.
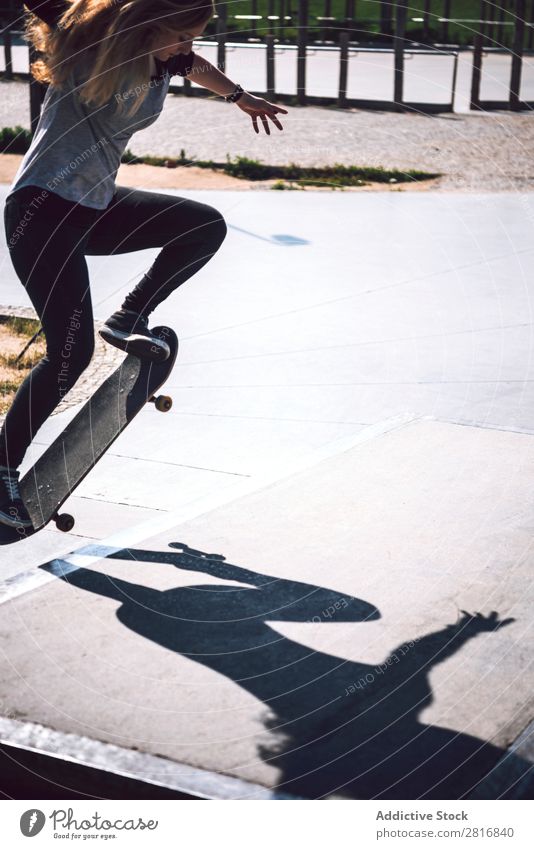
(338, 727)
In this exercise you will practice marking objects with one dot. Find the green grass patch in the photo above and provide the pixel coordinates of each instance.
(334, 176)
(281, 186)
(20, 326)
(24, 364)
(14, 140)
(14, 335)
(8, 386)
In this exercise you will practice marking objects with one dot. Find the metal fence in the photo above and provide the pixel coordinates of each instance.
(441, 22)
(272, 22)
(514, 38)
(429, 22)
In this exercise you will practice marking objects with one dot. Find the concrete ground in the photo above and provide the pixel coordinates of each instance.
(313, 574)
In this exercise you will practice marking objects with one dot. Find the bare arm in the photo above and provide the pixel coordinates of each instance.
(208, 76)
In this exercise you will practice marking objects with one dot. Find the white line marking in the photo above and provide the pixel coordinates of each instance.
(92, 553)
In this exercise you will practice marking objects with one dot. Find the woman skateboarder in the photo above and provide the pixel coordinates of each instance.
(108, 64)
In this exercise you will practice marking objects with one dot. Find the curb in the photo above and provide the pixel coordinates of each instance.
(41, 758)
(105, 359)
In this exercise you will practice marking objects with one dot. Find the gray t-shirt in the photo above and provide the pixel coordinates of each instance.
(76, 149)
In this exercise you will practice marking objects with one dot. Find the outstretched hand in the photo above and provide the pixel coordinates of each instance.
(479, 621)
(257, 107)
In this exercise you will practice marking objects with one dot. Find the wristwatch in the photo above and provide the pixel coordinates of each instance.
(236, 94)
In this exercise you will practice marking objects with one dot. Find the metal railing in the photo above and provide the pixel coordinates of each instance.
(347, 46)
(485, 42)
(345, 33)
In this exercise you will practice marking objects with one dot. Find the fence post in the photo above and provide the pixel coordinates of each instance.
(445, 25)
(477, 70)
(8, 73)
(301, 54)
(504, 30)
(343, 68)
(454, 79)
(349, 13)
(385, 18)
(478, 42)
(517, 54)
(489, 29)
(269, 39)
(326, 23)
(254, 12)
(270, 15)
(398, 44)
(221, 36)
(426, 21)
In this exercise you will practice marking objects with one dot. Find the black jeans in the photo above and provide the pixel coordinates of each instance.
(48, 238)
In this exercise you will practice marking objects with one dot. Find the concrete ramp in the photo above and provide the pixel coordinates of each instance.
(361, 629)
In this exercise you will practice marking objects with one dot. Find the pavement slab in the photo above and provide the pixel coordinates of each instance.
(307, 637)
(360, 629)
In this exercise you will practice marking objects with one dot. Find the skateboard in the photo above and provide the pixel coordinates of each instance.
(72, 455)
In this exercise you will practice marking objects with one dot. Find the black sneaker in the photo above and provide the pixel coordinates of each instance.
(12, 509)
(129, 331)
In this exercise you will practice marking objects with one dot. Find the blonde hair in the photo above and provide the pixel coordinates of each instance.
(122, 32)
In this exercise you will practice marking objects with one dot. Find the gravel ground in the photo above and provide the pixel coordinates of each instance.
(479, 152)
(105, 360)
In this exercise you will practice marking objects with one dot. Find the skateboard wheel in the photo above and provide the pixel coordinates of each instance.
(163, 403)
(64, 522)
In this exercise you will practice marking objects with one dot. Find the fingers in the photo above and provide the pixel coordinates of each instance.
(276, 108)
(272, 112)
(265, 114)
(275, 121)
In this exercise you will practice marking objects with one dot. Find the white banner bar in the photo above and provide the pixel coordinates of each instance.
(357, 824)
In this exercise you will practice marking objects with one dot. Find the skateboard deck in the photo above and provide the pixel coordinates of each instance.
(72, 455)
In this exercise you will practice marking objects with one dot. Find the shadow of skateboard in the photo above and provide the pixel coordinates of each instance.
(72, 455)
